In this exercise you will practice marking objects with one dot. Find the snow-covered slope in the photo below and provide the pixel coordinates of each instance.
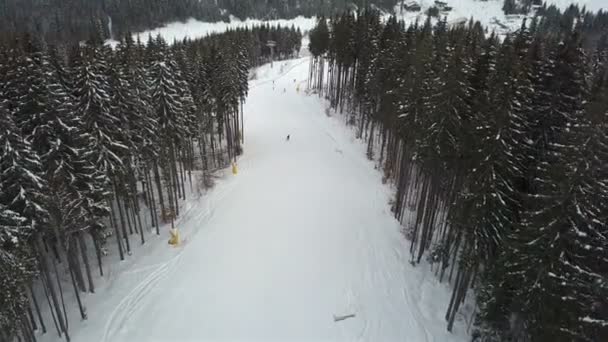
(303, 233)
(592, 5)
(488, 12)
(196, 29)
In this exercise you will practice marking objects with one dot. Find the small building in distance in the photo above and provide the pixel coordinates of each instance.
(442, 6)
(411, 6)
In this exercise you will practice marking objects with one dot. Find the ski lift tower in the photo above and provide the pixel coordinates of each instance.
(271, 44)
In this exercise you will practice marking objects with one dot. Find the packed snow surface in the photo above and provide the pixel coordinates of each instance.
(300, 245)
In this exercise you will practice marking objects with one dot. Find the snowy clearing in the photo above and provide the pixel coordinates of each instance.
(193, 28)
(299, 246)
(489, 13)
(592, 5)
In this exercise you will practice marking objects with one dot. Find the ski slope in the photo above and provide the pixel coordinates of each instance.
(301, 234)
(192, 28)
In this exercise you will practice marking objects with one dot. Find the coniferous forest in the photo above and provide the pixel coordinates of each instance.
(71, 20)
(498, 150)
(92, 139)
(496, 146)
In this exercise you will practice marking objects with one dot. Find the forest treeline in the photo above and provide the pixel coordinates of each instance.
(74, 20)
(498, 150)
(92, 139)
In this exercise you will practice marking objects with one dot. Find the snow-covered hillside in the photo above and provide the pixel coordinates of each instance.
(591, 5)
(195, 29)
(488, 12)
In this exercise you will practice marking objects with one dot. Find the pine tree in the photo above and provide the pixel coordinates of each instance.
(20, 169)
(559, 291)
(93, 106)
(16, 266)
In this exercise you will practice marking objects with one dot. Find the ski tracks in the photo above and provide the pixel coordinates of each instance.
(133, 300)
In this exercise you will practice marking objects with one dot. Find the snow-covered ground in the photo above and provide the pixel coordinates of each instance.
(592, 5)
(193, 28)
(303, 233)
(488, 12)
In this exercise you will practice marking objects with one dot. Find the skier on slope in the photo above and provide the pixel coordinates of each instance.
(288, 136)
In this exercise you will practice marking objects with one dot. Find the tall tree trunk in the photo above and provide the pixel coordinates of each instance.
(137, 218)
(83, 314)
(125, 205)
(116, 230)
(173, 178)
(85, 259)
(122, 219)
(37, 307)
(98, 253)
(60, 289)
(203, 148)
(30, 316)
(153, 213)
(45, 285)
(51, 288)
(182, 174)
(74, 263)
(160, 191)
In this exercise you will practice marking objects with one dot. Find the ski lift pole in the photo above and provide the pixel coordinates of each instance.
(271, 44)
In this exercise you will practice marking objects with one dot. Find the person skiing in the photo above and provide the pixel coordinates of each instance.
(288, 136)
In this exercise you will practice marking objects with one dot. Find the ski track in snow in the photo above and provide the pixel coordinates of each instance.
(131, 302)
(301, 235)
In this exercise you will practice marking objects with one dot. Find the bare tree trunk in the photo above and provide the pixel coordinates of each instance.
(191, 162)
(98, 254)
(160, 192)
(60, 289)
(85, 259)
(203, 149)
(30, 316)
(462, 290)
(213, 153)
(74, 263)
(45, 285)
(152, 202)
(37, 307)
(125, 206)
(45, 271)
(137, 218)
(116, 230)
(122, 219)
(183, 175)
(83, 314)
(173, 179)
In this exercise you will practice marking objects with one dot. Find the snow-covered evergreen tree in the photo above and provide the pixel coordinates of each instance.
(17, 269)
(23, 188)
